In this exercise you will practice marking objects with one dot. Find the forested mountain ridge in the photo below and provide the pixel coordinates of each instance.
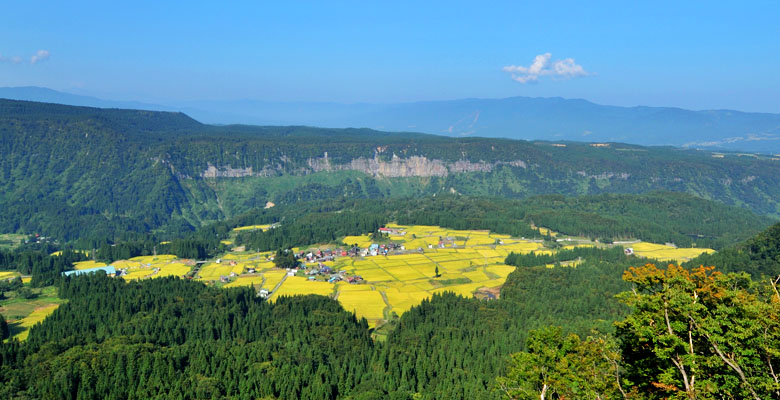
(759, 256)
(117, 171)
(513, 117)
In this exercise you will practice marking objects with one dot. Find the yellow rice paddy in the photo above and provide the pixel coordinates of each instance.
(666, 253)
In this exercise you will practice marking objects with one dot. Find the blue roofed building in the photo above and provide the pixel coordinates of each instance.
(108, 270)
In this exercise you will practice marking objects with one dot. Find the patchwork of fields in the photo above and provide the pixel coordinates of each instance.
(466, 261)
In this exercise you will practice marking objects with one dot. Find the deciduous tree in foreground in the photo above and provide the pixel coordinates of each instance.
(692, 334)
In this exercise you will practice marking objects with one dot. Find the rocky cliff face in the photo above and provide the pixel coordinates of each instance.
(229, 172)
(414, 166)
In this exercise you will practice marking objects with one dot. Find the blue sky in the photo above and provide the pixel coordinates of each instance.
(692, 54)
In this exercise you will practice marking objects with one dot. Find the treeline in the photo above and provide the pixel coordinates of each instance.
(169, 338)
(44, 267)
(195, 248)
(613, 254)
(656, 217)
(312, 228)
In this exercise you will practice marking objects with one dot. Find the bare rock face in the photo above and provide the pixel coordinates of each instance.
(407, 167)
(414, 166)
(230, 172)
(226, 172)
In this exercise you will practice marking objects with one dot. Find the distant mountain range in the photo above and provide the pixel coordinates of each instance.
(516, 118)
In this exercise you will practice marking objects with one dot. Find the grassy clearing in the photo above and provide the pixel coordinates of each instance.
(214, 271)
(361, 241)
(10, 241)
(173, 269)
(475, 261)
(467, 261)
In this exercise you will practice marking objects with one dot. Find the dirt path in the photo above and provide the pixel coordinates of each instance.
(284, 278)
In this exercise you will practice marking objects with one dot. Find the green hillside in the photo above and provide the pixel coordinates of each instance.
(70, 172)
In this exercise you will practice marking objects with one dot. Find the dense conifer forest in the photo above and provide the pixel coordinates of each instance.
(177, 339)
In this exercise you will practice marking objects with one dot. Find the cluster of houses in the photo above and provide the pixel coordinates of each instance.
(332, 276)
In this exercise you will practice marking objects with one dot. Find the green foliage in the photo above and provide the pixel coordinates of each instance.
(285, 259)
(692, 334)
(655, 217)
(44, 267)
(555, 366)
(312, 228)
(120, 173)
(11, 284)
(614, 254)
(26, 293)
(168, 338)
(4, 331)
(700, 334)
(759, 256)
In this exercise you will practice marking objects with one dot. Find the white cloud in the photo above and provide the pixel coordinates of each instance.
(40, 55)
(542, 66)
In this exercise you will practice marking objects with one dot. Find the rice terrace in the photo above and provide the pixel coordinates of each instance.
(423, 260)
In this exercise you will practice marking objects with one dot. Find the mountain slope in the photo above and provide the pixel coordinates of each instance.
(759, 256)
(74, 171)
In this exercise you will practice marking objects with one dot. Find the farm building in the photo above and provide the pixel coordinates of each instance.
(108, 270)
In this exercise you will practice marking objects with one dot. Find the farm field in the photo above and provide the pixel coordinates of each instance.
(666, 253)
(146, 267)
(22, 313)
(252, 227)
(364, 303)
(466, 261)
(38, 315)
(243, 281)
(8, 274)
(88, 264)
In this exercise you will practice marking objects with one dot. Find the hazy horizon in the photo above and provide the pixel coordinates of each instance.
(660, 54)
